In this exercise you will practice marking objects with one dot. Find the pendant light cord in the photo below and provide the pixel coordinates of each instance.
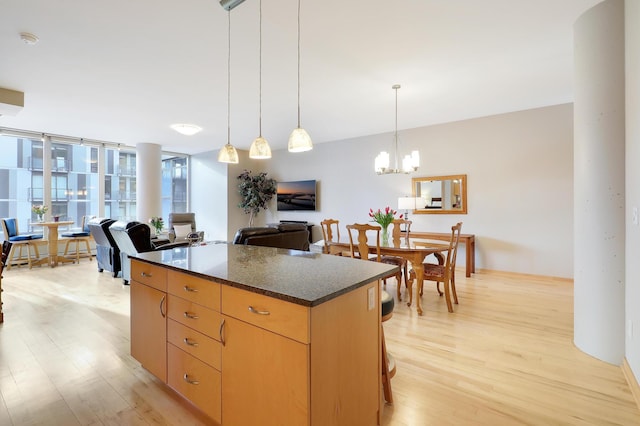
(396, 87)
(260, 67)
(299, 64)
(229, 84)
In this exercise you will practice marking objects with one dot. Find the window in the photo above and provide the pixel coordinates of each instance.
(174, 185)
(120, 185)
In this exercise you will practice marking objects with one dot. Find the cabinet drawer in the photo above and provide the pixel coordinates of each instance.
(198, 290)
(151, 275)
(285, 318)
(196, 381)
(197, 344)
(204, 320)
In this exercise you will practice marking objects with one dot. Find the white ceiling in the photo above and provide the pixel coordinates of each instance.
(122, 71)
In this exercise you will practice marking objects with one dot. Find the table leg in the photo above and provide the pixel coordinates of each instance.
(54, 259)
(419, 269)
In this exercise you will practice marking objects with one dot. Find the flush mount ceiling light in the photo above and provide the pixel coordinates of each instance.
(299, 140)
(260, 148)
(228, 153)
(29, 38)
(410, 163)
(186, 129)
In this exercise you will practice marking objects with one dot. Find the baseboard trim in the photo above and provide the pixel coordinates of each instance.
(631, 380)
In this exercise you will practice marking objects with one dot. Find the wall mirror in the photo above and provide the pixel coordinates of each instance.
(440, 194)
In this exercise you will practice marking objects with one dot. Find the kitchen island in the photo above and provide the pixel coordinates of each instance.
(260, 335)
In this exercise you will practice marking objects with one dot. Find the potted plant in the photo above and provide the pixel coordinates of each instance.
(256, 191)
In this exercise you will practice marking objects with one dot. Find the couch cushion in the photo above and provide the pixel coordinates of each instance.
(182, 231)
(286, 227)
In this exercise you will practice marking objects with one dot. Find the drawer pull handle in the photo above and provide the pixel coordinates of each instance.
(146, 275)
(221, 332)
(190, 315)
(255, 311)
(190, 289)
(190, 342)
(162, 307)
(190, 381)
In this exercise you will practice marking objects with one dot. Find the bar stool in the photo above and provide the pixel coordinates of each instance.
(388, 363)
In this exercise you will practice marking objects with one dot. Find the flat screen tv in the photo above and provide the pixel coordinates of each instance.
(296, 195)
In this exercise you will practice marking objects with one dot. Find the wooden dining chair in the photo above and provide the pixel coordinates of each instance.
(331, 233)
(444, 273)
(396, 235)
(361, 249)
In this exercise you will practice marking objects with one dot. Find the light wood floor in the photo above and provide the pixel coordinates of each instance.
(505, 357)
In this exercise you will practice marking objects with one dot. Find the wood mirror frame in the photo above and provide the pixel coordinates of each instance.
(441, 194)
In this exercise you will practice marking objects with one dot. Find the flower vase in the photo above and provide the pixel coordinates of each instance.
(40, 219)
(385, 236)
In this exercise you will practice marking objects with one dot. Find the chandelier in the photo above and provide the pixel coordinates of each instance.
(410, 162)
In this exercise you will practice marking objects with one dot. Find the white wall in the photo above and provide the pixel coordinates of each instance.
(632, 241)
(519, 168)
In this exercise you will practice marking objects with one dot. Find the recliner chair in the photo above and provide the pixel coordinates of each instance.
(107, 251)
(133, 237)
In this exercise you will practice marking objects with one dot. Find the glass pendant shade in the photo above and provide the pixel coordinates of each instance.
(300, 141)
(228, 154)
(382, 162)
(260, 149)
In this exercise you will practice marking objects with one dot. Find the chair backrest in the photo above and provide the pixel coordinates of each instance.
(328, 228)
(397, 230)
(99, 230)
(85, 223)
(365, 233)
(450, 263)
(132, 237)
(10, 227)
(6, 248)
(182, 219)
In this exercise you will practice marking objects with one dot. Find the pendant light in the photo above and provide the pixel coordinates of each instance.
(228, 153)
(299, 140)
(410, 162)
(260, 147)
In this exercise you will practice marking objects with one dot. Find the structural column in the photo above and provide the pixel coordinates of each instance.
(599, 182)
(148, 181)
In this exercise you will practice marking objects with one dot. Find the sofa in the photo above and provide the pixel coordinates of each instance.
(284, 235)
(133, 237)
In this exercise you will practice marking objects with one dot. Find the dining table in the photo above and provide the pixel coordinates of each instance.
(413, 250)
(52, 238)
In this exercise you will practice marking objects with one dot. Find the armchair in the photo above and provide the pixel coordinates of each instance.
(107, 251)
(181, 225)
(133, 238)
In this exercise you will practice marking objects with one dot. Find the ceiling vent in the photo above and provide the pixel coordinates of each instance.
(11, 101)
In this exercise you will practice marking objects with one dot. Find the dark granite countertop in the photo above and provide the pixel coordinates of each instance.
(300, 277)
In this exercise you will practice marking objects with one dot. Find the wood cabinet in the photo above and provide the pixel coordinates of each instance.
(148, 317)
(296, 365)
(245, 358)
(263, 369)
